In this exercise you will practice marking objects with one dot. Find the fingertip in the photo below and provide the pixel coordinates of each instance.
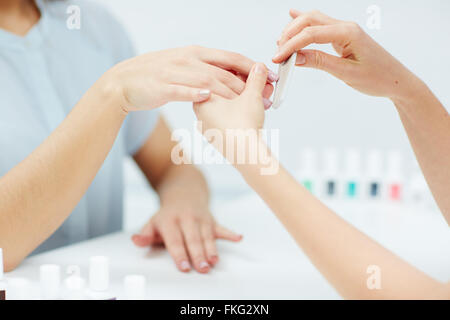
(203, 95)
(260, 68)
(141, 241)
(267, 103)
(272, 76)
(213, 260)
(235, 237)
(294, 13)
(203, 267)
(278, 57)
(184, 266)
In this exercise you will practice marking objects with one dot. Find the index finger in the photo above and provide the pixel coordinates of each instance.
(231, 61)
(309, 19)
(316, 34)
(173, 240)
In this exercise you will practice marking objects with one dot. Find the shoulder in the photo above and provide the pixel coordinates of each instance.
(96, 23)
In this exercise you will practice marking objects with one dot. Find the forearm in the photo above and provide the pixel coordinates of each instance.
(183, 184)
(337, 249)
(40, 192)
(427, 124)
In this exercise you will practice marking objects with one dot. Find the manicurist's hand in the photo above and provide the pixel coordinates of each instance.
(361, 62)
(189, 232)
(183, 74)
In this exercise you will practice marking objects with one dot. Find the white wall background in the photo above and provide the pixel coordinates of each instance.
(320, 111)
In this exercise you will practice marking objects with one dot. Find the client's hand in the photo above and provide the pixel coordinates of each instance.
(182, 74)
(362, 63)
(189, 233)
(243, 112)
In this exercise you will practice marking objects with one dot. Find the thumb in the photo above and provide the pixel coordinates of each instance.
(320, 60)
(256, 80)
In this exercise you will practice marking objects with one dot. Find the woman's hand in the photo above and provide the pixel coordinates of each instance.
(243, 112)
(183, 74)
(189, 234)
(362, 63)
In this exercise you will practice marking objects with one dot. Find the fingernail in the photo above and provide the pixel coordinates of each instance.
(185, 266)
(273, 76)
(267, 103)
(214, 259)
(259, 68)
(203, 265)
(204, 93)
(277, 56)
(301, 59)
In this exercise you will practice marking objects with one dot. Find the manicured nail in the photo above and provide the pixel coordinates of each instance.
(205, 93)
(273, 76)
(267, 103)
(214, 259)
(185, 266)
(301, 59)
(203, 265)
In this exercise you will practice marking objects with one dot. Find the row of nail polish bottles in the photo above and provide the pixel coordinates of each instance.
(327, 178)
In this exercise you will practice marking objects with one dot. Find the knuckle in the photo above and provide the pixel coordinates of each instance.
(180, 61)
(318, 60)
(308, 34)
(206, 80)
(354, 28)
(194, 243)
(176, 244)
(311, 15)
(227, 77)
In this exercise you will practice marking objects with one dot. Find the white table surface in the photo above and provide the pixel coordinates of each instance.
(267, 264)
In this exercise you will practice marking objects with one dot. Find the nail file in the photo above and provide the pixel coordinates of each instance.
(285, 72)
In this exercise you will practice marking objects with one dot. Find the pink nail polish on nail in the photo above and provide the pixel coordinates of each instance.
(267, 103)
(184, 265)
(273, 76)
(203, 265)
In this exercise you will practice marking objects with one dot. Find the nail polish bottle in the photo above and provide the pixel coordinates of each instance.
(394, 177)
(50, 281)
(330, 174)
(308, 173)
(134, 287)
(99, 279)
(352, 174)
(74, 284)
(2, 281)
(374, 175)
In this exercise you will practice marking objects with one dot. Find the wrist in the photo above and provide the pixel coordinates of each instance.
(110, 89)
(410, 89)
(259, 160)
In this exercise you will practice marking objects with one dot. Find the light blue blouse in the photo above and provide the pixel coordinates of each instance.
(42, 76)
